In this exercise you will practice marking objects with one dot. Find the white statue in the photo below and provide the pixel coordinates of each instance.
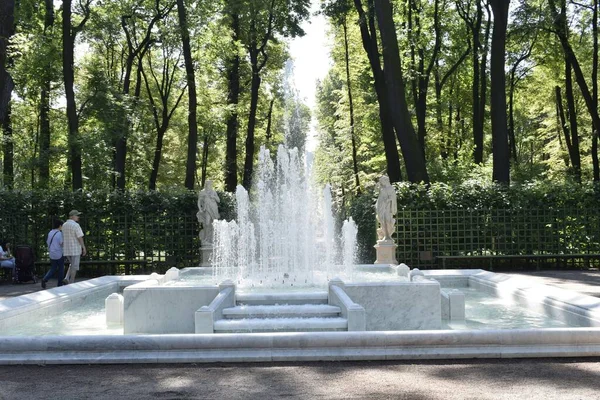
(387, 208)
(208, 211)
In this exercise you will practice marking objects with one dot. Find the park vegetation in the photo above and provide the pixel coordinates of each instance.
(145, 95)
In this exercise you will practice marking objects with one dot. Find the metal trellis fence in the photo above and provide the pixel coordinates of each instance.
(159, 240)
(423, 235)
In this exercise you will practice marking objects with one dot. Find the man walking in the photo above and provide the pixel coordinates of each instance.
(74, 247)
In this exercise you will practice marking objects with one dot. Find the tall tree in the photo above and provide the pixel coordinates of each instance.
(574, 150)
(44, 162)
(594, 9)
(368, 35)
(440, 81)
(473, 20)
(7, 29)
(135, 48)
(233, 96)
(595, 161)
(483, 75)
(501, 163)
(190, 170)
(162, 112)
(421, 74)
(264, 19)
(559, 24)
(69, 33)
(351, 105)
(414, 157)
(339, 11)
(7, 22)
(517, 72)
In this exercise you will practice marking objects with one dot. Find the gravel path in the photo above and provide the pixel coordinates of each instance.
(471, 379)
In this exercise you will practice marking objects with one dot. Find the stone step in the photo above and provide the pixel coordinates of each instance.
(280, 325)
(282, 298)
(282, 311)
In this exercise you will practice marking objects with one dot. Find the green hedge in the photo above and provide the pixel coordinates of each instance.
(154, 225)
(478, 218)
(150, 226)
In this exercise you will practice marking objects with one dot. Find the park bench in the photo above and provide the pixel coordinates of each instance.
(537, 257)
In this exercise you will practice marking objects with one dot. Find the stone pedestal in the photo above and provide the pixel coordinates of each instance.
(386, 252)
(205, 253)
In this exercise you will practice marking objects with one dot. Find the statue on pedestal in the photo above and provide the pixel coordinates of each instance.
(387, 208)
(208, 211)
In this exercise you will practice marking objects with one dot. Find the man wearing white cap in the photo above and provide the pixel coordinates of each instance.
(74, 247)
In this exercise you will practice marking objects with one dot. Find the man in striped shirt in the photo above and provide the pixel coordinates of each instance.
(74, 247)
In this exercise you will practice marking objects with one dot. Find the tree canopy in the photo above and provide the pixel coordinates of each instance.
(157, 94)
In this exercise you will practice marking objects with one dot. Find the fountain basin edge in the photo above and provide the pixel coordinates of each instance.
(312, 346)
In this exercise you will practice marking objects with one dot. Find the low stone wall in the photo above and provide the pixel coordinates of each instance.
(300, 346)
(391, 306)
(149, 308)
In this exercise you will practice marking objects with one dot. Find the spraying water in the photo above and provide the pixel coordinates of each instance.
(349, 233)
(285, 237)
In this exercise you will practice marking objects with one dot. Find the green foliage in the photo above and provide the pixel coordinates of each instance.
(476, 196)
(117, 225)
(42, 205)
(362, 210)
(479, 194)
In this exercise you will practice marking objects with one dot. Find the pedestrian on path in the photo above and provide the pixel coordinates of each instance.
(55, 251)
(74, 247)
(6, 259)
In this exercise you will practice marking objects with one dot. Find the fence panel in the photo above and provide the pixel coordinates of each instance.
(423, 235)
(150, 238)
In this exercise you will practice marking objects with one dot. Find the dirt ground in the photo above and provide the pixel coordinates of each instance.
(471, 379)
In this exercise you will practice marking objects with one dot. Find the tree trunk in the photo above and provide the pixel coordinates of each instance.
(595, 156)
(477, 133)
(44, 158)
(411, 150)
(133, 53)
(561, 125)
(7, 29)
(437, 81)
(190, 170)
(439, 84)
(233, 94)
(269, 121)
(160, 134)
(562, 120)
(369, 41)
(351, 105)
(8, 162)
(121, 139)
(425, 74)
(254, 91)
(204, 158)
(501, 164)
(574, 151)
(483, 79)
(595, 89)
(559, 21)
(511, 122)
(69, 79)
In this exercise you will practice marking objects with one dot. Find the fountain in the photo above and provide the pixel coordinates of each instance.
(284, 286)
(286, 244)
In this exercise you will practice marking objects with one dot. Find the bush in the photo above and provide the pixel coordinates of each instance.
(117, 225)
(577, 203)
